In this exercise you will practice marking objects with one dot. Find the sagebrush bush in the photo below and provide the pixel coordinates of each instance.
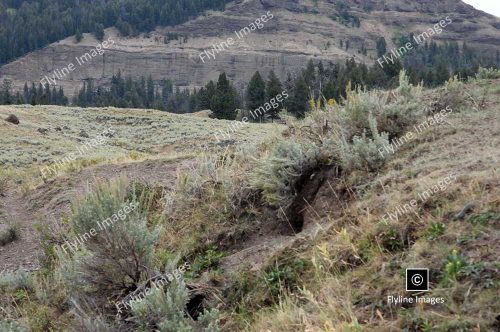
(165, 311)
(11, 326)
(118, 256)
(13, 281)
(454, 95)
(276, 174)
(358, 105)
(488, 73)
(394, 110)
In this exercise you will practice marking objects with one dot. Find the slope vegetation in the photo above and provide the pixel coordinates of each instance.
(308, 229)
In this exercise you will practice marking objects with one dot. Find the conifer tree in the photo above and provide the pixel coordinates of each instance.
(256, 92)
(381, 46)
(273, 89)
(225, 100)
(299, 98)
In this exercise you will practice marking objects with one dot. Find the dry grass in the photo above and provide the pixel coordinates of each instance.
(337, 273)
(357, 261)
(145, 132)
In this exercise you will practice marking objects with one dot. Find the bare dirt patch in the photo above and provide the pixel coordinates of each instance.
(52, 200)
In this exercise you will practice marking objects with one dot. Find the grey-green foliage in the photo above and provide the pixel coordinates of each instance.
(13, 281)
(165, 311)
(488, 73)
(363, 152)
(394, 111)
(407, 107)
(120, 253)
(94, 324)
(276, 174)
(11, 326)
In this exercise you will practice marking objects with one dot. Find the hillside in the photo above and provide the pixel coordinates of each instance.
(299, 30)
(283, 228)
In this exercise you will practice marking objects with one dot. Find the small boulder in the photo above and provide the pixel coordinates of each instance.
(84, 134)
(12, 119)
(43, 131)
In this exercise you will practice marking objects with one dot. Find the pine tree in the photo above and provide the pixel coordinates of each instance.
(78, 35)
(256, 92)
(225, 100)
(309, 74)
(273, 89)
(273, 86)
(205, 96)
(26, 93)
(381, 46)
(299, 98)
(151, 92)
(5, 96)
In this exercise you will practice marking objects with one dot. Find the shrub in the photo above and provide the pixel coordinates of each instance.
(9, 234)
(14, 281)
(11, 326)
(363, 153)
(394, 110)
(165, 311)
(119, 255)
(276, 175)
(453, 95)
(358, 105)
(488, 73)
(41, 319)
(401, 108)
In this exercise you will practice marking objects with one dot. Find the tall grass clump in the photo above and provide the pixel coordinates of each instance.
(4, 181)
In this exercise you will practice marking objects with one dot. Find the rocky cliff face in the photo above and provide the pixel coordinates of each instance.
(299, 30)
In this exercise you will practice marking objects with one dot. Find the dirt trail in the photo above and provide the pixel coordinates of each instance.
(52, 200)
(22, 253)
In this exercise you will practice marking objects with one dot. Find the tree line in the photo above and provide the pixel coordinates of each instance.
(32, 95)
(27, 25)
(430, 63)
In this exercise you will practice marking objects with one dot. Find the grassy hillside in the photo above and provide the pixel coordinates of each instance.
(308, 228)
